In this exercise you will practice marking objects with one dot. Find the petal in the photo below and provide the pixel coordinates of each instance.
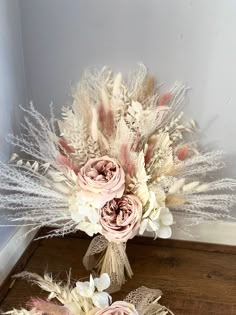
(84, 289)
(155, 215)
(164, 232)
(92, 198)
(75, 215)
(143, 226)
(97, 228)
(153, 226)
(164, 210)
(93, 215)
(152, 199)
(84, 197)
(103, 282)
(147, 213)
(91, 283)
(84, 209)
(167, 218)
(101, 299)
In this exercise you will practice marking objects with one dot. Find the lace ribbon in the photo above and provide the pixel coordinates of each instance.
(108, 257)
(145, 301)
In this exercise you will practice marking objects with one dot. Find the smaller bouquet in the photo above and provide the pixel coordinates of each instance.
(89, 298)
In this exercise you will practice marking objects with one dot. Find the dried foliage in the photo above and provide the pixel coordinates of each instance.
(88, 298)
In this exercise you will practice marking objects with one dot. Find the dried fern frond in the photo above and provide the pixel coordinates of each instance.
(39, 142)
(58, 290)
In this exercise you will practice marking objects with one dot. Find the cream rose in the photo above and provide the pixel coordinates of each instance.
(120, 218)
(118, 308)
(101, 180)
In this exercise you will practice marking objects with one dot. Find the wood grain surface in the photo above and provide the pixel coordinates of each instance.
(194, 278)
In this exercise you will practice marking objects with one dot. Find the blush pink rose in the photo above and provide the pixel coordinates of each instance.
(120, 218)
(118, 308)
(101, 180)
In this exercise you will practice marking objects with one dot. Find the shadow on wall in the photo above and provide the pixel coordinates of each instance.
(12, 85)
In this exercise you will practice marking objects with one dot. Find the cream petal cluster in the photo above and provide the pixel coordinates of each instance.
(84, 213)
(93, 289)
(156, 218)
(118, 308)
(101, 180)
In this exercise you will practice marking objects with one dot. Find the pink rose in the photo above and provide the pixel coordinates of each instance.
(101, 180)
(118, 308)
(120, 218)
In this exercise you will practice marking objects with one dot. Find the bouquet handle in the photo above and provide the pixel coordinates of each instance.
(108, 257)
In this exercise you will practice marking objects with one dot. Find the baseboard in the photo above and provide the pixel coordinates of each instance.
(220, 232)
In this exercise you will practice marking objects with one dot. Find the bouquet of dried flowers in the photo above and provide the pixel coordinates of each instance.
(122, 161)
(89, 298)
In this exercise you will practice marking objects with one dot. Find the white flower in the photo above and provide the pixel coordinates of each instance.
(81, 208)
(103, 282)
(85, 215)
(156, 218)
(165, 220)
(86, 289)
(101, 299)
(93, 289)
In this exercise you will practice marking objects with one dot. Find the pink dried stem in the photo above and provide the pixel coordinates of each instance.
(182, 153)
(102, 116)
(164, 99)
(136, 143)
(110, 122)
(128, 165)
(47, 308)
(65, 146)
(149, 153)
(65, 161)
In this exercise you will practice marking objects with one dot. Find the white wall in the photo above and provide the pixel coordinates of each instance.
(193, 41)
(12, 82)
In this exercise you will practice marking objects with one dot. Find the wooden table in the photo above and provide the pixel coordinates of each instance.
(195, 278)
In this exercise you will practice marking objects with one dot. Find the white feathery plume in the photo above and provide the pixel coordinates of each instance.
(200, 164)
(34, 199)
(40, 140)
(58, 290)
(136, 80)
(178, 93)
